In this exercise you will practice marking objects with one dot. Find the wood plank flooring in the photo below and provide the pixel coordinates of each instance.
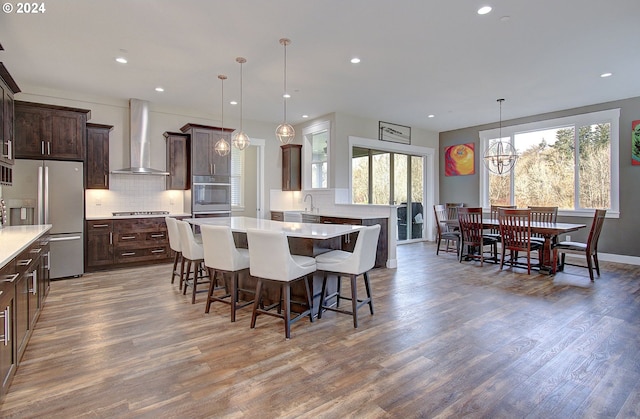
(448, 339)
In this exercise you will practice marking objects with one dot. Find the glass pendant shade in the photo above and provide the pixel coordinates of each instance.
(500, 158)
(285, 133)
(240, 140)
(222, 147)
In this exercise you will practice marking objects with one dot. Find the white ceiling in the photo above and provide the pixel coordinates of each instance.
(419, 57)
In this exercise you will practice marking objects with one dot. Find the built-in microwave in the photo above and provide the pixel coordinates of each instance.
(211, 194)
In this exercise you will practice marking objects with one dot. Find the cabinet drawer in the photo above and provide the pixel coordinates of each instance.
(142, 254)
(100, 225)
(140, 225)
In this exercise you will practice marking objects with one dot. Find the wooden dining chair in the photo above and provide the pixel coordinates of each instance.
(515, 231)
(452, 209)
(495, 231)
(472, 235)
(543, 215)
(443, 232)
(589, 249)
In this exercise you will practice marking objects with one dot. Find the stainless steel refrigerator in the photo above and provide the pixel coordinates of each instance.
(51, 192)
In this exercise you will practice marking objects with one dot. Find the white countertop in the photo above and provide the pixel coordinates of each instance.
(14, 240)
(302, 230)
(336, 214)
(123, 217)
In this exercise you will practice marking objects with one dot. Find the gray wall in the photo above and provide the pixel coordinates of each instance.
(619, 236)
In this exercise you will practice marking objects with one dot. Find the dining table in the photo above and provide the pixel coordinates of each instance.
(547, 230)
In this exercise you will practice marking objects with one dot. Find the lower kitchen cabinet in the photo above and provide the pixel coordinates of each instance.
(8, 358)
(116, 243)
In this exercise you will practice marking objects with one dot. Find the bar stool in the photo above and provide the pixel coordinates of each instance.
(193, 253)
(174, 244)
(270, 260)
(341, 263)
(221, 255)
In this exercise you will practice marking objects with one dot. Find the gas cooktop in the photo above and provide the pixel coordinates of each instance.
(129, 213)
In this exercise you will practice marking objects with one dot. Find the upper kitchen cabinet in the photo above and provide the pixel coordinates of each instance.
(97, 160)
(291, 167)
(204, 160)
(50, 132)
(8, 88)
(178, 160)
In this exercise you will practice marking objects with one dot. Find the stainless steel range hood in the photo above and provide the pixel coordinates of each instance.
(140, 144)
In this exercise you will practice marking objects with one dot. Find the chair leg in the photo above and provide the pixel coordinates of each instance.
(197, 272)
(590, 267)
(175, 267)
(354, 300)
(256, 302)
(595, 260)
(186, 279)
(367, 287)
(182, 260)
(287, 310)
(212, 286)
(234, 295)
(309, 298)
(322, 294)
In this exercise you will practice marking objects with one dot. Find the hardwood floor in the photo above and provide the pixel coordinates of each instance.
(448, 339)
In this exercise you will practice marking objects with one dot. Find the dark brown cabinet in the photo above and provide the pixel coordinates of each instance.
(8, 88)
(8, 358)
(178, 160)
(114, 243)
(97, 159)
(204, 160)
(291, 167)
(49, 132)
(99, 243)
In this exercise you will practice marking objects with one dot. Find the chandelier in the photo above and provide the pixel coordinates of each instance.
(285, 132)
(500, 158)
(240, 140)
(222, 146)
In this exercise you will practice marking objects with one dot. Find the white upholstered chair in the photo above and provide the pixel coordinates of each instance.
(174, 244)
(221, 255)
(270, 260)
(341, 263)
(193, 254)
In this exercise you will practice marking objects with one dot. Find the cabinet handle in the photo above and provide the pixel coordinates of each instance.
(158, 251)
(100, 225)
(9, 149)
(110, 238)
(128, 254)
(48, 256)
(6, 313)
(49, 148)
(157, 236)
(10, 278)
(8, 155)
(210, 168)
(127, 237)
(34, 282)
(42, 147)
(24, 262)
(36, 250)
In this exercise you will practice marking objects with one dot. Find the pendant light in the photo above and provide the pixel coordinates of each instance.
(500, 158)
(222, 146)
(285, 132)
(240, 139)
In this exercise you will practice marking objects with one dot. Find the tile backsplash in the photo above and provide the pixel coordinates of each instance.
(133, 193)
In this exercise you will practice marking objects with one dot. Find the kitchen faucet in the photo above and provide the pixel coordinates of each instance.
(305, 201)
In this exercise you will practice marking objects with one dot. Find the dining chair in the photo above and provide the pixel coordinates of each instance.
(270, 260)
(515, 231)
(452, 209)
(472, 235)
(443, 232)
(493, 214)
(351, 264)
(589, 249)
(543, 215)
(174, 244)
(193, 253)
(222, 256)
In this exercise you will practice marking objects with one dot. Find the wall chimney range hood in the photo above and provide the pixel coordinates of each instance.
(139, 142)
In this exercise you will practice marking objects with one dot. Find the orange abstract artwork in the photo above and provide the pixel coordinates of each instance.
(459, 160)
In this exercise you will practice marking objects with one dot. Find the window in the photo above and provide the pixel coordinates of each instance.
(237, 179)
(317, 138)
(569, 162)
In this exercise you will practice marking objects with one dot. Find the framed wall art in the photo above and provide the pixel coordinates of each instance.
(459, 160)
(394, 133)
(635, 143)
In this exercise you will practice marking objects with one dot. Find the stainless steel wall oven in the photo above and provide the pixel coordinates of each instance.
(211, 194)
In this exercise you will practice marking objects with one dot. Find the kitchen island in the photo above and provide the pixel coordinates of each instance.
(14, 240)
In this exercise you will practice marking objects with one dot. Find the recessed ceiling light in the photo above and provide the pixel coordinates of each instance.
(484, 10)
(233, 102)
(431, 116)
(305, 116)
(286, 96)
(355, 60)
(603, 75)
(121, 60)
(159, 89)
